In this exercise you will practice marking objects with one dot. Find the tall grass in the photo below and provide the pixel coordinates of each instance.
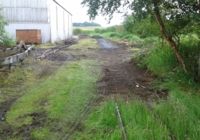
(139, 123)
(180, 113)
(190, 50)
(161, 60)
(101, 124)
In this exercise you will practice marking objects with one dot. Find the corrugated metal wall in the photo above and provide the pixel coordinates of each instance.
(54, 21)
(34, 11)
(60, 22)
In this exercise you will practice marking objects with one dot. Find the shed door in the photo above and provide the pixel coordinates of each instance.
(29, 36)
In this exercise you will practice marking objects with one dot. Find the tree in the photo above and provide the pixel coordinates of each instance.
(2, 24)
(5, 40)
(178, 14)
(143, 28)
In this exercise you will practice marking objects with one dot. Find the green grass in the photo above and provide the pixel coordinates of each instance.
(46, 46)
(101, 124)
(86, 44)
(160, 60)
(41, 134)
(180, 113)
(60, 98)
(139, 123)
(175, 118)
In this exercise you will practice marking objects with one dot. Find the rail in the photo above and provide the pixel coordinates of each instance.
(15, 58)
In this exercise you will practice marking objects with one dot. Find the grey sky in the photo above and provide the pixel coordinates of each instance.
(80, 13)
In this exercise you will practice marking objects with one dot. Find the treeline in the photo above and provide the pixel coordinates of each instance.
(86, 24)
(159, 57)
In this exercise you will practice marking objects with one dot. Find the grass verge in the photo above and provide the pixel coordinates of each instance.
(87, 43)
(180, 113)
(139, 123)
(56, 102)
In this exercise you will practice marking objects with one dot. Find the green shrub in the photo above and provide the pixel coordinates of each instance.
(142, 28)
(7, 41)
(115, 34)
(77, 31)
(112, 29)
(161, 60)
(97, 30)
(190, 50)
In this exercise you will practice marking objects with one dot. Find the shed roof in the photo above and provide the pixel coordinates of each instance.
(62, 7)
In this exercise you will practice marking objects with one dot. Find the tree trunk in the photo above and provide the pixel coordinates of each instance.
(167, 36)
(198, 78)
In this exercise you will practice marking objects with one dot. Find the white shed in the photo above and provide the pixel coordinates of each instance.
(37, 21)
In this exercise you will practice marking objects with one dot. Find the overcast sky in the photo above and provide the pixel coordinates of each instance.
(80, 13)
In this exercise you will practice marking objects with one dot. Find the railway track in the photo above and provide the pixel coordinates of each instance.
(47, 52)
(16, 58)
(81, 118)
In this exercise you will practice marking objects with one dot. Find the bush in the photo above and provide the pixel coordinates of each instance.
(142, 28)
(6, 41)
(111, 29)
(77, 31)
(97, 30)
(190, 50)
(161, 60)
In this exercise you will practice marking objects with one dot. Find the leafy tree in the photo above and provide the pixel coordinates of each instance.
(2, 24)
(172, 16)
(143, 28)
(5, 40)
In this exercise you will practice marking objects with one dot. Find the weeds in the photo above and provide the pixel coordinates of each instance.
(6, 40)
(180, 114)
(141, 124)
(101, 124)
(86, 44)
(160, 60)
(138, 121)
(67, 91)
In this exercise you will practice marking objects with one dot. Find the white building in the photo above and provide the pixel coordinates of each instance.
(43, 20)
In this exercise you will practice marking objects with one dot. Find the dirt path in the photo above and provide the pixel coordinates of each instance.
(121, 79)
(121, 76)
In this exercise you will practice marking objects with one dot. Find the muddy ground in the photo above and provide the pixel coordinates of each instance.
(120, 75)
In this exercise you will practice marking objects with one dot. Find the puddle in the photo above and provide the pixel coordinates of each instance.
(105, 44)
